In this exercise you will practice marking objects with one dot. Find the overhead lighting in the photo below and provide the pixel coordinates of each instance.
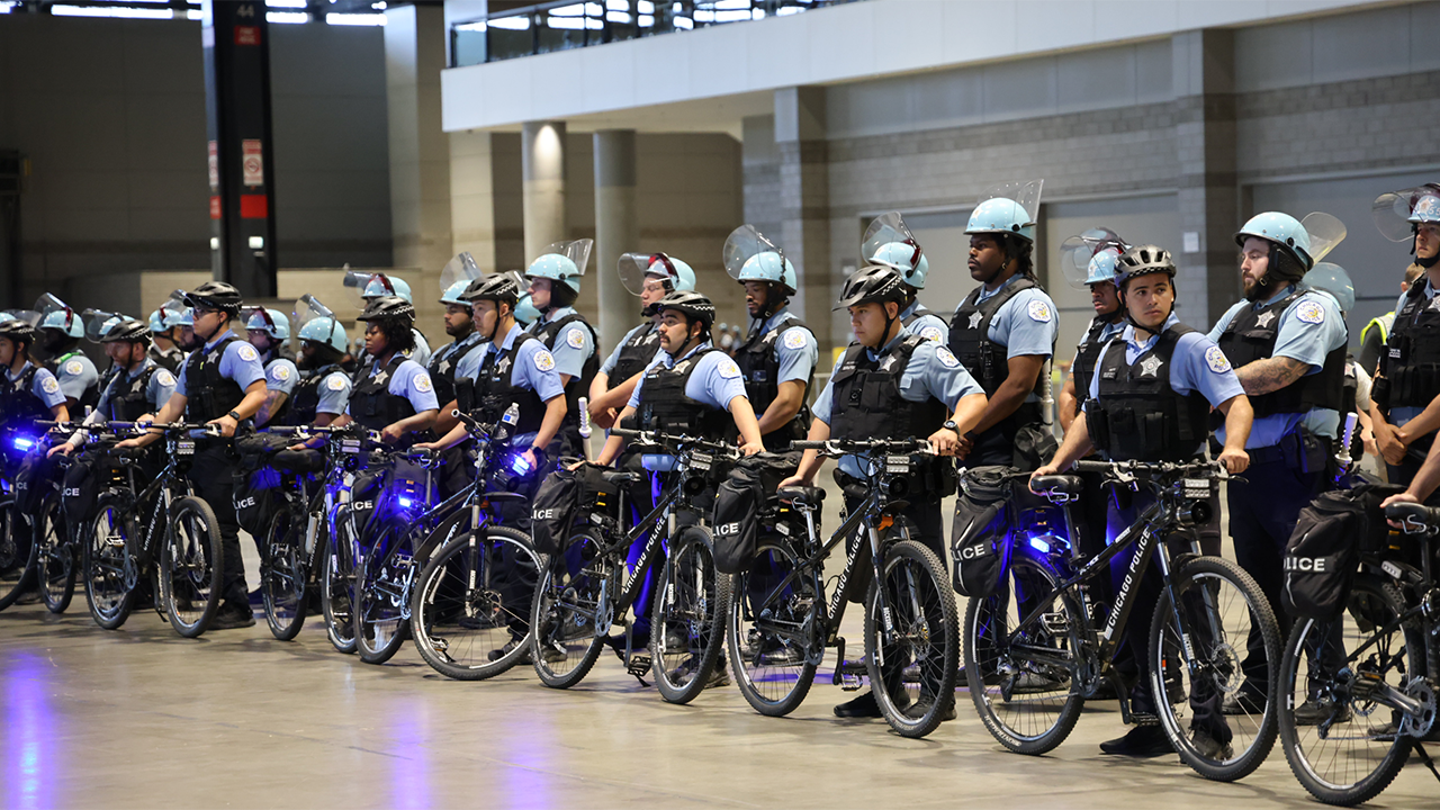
(684, 22)
(7, 5)
(120, 12)
(645, 7)
(520, 22)
(285, 3)
(647, 21)
(355, 19)
(287, 17)
(618, 17)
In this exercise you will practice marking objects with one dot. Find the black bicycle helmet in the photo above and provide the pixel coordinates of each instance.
(872, 283)
(216, 295)
(128, 330)
(495, 287)
(388, 308)
(19, 330)
(691, 304)
(1143, 260)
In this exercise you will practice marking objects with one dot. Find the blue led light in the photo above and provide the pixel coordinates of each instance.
(405, 502)
(1040, 545)
(22, 443)
(520, 465)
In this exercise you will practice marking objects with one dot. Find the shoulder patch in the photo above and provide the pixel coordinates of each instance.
(1310, 312)
(280, 372)
(933, 333)
(51, 385)
(728, 369)
(336, 382)
(544, 360)
(795, 339)
(74, 367)
(1216, 360)
(946, 357)
(248, 353)
(575, 339)
(1038, 311)
(423, 384)
(165, 377)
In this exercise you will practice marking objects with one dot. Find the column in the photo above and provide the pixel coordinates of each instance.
(805, 198)
(419, 148)
(617, 230)
(1204, 75)
(542, 161)
(472, 196)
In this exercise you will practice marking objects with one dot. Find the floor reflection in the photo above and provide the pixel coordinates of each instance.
(30, 728)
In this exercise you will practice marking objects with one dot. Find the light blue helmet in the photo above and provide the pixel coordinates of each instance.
(186, 318)
(1332, 279)
(5, 316)
(157, 321)
(1282, 230)
(769, 267)
(634, 268)
(56, 314)
(750, 256)
(381, 285)
(327, 331)
(525, 311)
(453, 293)
(456, 276)
(889, 242)
(1103, 266)
(1008, 208)
(562, 261)
(270, 321)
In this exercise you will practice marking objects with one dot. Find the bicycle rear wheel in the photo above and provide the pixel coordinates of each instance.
(192, 567)
(1022, 683)
(914, 661)
(110, 571)
(776, 635)
(337, 586)
(17, 553)
(471, 601)
(283, 573)
(383, 573)
(572, 610)
(1220, 606)
(1343, 748)
(686, 628)
(54, 557)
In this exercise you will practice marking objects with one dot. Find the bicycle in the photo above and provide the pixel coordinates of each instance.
(781, 619)
(583, 590)
(56, 555)
(1349, 725)
(18, 551)
(1042, 645)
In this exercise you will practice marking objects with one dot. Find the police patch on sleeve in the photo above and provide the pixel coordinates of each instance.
(423, 384)
(931, 333)
(280, 372)
(795, 339)
(1038, 311)
(946, 357)
(51, 385)
(575, 339)
(248, 354)
(165, 377)
(336, 383)
(1216, 360)
(728, 369)
(1310, 312)
(544, 360)
(74, 367)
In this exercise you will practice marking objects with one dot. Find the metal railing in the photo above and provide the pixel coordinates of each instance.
(566, 24)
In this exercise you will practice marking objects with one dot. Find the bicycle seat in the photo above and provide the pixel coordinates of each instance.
(299, 461)
(1066, 484)
(502, 497)
(620, 478)
(813, 496)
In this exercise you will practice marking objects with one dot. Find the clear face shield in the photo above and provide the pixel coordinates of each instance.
(460, 268)
(1025, 192)
(886, 229)
(1393, 210)
(1325, 233)
(744, 243)
(576, 250)
(307, 309)
(359, 284)
(1077, 251)
(98, 322)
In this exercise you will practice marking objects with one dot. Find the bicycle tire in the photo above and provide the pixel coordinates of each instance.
(1028, 706)
(55, 563)
(1204, 577)
(110, 569)
(192, 566)
(458, 626)
(690, 601)
(337, 587)
(772, 671)
(283, 573)
(572, 610)
(1374, 762)
(382, 606)
(17, 554)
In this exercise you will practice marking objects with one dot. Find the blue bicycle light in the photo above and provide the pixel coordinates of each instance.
(519, 465)
(1040, 545)
(23, 442)
(405, 503)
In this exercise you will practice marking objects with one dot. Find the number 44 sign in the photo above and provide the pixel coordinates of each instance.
(252, 162)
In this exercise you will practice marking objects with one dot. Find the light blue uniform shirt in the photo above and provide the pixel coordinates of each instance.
(535, 369)
(421, 353)
(715, 382)
(157, 393)
(1025, 325)
(932, 372)
(929, 326)
(335, 393)
(281, 375)
(410, 381)
(1311, 327)
(573, 346)
(75, 375)
(240, 363)
(796, 350)
(465, 367)
(1399, 416)
(45, 387)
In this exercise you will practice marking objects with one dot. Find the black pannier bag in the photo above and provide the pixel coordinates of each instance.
(82, 486)
(256, 484)
(567, 498)
(365, 495)
(979, 538)
(1323, 553)
(742, 500)
(33, 481)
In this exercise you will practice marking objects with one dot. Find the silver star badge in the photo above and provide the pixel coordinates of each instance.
(975, 319)
(444, 367)
(502, 365)
(382, 377)
(1435, 303)
(888, 363)
(1150, 365)
(1264, 319)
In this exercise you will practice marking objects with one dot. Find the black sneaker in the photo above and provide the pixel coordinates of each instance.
(1314, 711)
(1209, 747)
(863, 706)
(511, 646)
(232, 616)
(1140, 742)
(1245, 701)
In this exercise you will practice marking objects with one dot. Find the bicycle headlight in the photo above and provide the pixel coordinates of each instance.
(1195, 513)
(22, 442)
(899, 487)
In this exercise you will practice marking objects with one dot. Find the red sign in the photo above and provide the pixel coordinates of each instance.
(214, 207)
(252, 162)
(254, 206)
(247, 35)
(214, 166)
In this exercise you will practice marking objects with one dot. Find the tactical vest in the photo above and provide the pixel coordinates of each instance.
(129, 400)
(1082, 371)
(372, 404)
(304, 402)
(636, 354)
(449, 357)
(579, 385)
(1251, 336)
(168, 360)
(487, 397)
(208, 394)
(1137, 415)
(984, 358)
(18, 405)
(1410, 363)
(760, 367)
(90, 396)
(664, 405)
(866, 401)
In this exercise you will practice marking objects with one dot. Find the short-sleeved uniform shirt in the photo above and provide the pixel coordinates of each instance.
(1025, 325)
(281, 375)
(240, 363)
(715, 382)
(335, 393)
(45, 387)
(76, 374)
(157, 391)
(573, 346)
(796, 350)
(929, 326)
(469, 364)
(535, 369)
(410, 381)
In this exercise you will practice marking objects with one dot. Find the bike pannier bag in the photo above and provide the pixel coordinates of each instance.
(980, 531)
(1322, 555)
(554, 509)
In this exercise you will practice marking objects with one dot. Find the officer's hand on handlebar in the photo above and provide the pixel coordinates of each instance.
(63, 448)
(751, 448)
(945, 442)
(1048, 469)
(225, 424)
(1234, 461)
(1403, 497)
(793, 481)
(392, 433)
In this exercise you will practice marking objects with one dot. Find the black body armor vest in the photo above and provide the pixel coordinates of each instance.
(867, 402)
(304, 402)
(17, 405)
(168, 360)
(635, 354)
(1410, 363)
(665, 407)
(208, 395)
(372, 404)
(128, 400)
(760, 367)
(90, 396)
(490, 395)
(443, 364)
(1251, 336)
(1138, 416)
(579, 386)
(1082, 371)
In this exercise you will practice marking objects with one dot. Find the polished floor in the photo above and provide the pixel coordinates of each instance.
(143, 718)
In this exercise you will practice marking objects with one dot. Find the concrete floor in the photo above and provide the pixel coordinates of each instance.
(144, 718)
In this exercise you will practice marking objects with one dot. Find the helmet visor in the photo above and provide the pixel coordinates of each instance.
(1024, 192)
(98, 322)
(1393, 209)
(1325, 233)
(1077, 251)
(576, 250)
(636, 268)
(308, 308)
(743, 243)
(460, 268)
(888, 228)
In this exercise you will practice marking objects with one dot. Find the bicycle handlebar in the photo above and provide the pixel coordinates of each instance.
(844, 447)
(675, 439)
(1152, 469)
(1416, 518)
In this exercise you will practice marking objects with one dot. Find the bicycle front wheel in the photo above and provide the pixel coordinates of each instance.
(1344, 748)
(337, 586)
(685, 630)
(283, 573)
(110, 571)
(1022, 681)
(572, 610)
(913, 654)
(471, 602)
(192, 567)
(383, 574)
(1196, 655)
(775, 631)
(17, 553)
(54, 557)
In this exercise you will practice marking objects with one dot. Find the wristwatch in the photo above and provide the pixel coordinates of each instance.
(235, 416)
(951, 426)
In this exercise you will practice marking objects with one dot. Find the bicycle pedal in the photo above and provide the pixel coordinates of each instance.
(1055, 623)
(639, 664)
(849, 681)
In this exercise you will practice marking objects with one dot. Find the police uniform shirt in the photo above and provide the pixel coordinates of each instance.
(573, 346)
(1400, 415)
(932, 372)
(281, 375)
(76, 374)
(335, 393)
(796, 350)
(608, 367)
(45, 387)
(1197, 365)
(535, 369)
(410, 381)
(929, 326)
(715, 382)
(240, 363)
(1310, 328)
(1024, 325)
(467, 365)
(157, 392)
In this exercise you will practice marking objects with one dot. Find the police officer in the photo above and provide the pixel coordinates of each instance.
(891, 384)
(323, 392)
(1377, 330)
(554, 284)
(381, 285)
(777, 359)
(140, 386)
(889, 242)
(267, 330)
(60, 331)
(164, 343)
(31, 391)
(1149, 400)
(1409, 370)
(1004, 332)
(1100, 249)
(221, 383)
(395, 395)
(651, 277)
(459, 359)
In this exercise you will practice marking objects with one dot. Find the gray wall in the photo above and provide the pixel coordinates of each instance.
(111, 114)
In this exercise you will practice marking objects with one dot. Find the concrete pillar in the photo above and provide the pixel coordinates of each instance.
(1204, 75)
(472, 196)
(542, 161)
(617, 230)
(805, 197)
